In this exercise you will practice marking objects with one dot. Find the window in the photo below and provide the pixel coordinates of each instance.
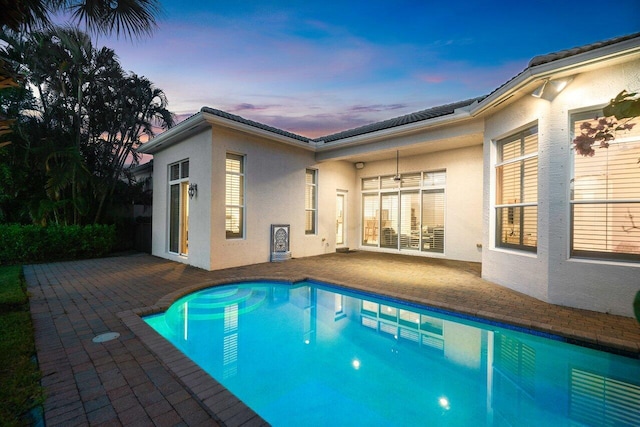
(605, 197)
(234, 196)
(311, 201)
(517, 191)
(405, 215)
(179, 207)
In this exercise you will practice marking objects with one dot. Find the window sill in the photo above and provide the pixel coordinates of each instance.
(511, 251)
(611, 262)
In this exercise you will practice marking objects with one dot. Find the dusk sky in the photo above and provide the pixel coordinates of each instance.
(315, 68)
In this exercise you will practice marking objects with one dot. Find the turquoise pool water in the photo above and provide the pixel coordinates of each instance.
(316, 355)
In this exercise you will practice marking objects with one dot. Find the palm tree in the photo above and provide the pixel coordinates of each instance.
(85, 123)
(137, 108)
(132, 18)
(18, 14)
(129, 17)
(7, 80)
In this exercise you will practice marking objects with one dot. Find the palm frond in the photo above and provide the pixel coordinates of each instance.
(130, 18)
(24, 14)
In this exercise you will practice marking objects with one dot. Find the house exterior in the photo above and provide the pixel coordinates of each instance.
(492, 179)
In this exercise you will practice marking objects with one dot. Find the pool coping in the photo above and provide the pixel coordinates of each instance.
(231, 411)
(223, 405)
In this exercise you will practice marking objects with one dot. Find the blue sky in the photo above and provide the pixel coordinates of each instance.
(316, 68)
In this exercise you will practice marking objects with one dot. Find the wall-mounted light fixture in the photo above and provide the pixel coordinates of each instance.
(537, 93)
(560, 84)
(359, 165)
(193, 190)
(557, 86)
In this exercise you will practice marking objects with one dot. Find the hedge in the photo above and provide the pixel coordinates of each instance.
(23, 244)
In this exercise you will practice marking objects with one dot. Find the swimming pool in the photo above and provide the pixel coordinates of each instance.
(312, 354)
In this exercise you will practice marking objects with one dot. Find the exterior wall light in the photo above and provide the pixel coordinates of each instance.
(540, 89)
(359, 165)
(560, 84)
(193, 190)
(556, 85)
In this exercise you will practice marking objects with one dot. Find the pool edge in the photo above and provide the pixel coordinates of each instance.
(231, 411)
(221, 404)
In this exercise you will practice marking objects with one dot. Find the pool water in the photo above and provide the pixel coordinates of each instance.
(317, 355)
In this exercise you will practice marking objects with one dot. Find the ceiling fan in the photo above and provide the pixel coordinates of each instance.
(397, 176)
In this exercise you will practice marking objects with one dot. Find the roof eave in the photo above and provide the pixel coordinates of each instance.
(396, 131)
(558, 68)
(213, 119)
(201, 121)
(177, 133)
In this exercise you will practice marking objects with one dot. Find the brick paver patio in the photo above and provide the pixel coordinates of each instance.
(139, 379)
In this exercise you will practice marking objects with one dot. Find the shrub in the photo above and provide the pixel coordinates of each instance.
(31, 243)
(11, 294)
(19, 374)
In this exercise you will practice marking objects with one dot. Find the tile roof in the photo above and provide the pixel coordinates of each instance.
(427, 114)
(566, 53)
(248, 122)
(430, 113)
(554, 56)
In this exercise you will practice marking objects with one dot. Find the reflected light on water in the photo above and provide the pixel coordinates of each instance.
(444, 403)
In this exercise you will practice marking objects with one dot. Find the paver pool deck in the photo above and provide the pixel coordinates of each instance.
(139, 379)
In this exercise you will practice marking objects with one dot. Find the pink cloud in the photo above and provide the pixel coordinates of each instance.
(433, 78)
(471, 76)
(375, 108)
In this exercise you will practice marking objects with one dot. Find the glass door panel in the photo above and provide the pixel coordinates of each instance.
(370, 219)
(184, 218)
(389, 221)
(433, 221)
(340, 205)
(179, 218)
(174, 218)
(410, 220)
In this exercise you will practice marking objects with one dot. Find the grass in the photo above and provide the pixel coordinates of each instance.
(20, 378)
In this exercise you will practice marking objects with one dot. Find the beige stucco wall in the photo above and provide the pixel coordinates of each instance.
(333, 177)
(275, 189)
(551, 274)
(197, 149)
(463, 198)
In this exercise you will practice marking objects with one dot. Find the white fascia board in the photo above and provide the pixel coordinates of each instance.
(212, 119)
(203, 120)
(176, 134)
(560, 68)
(396, 131)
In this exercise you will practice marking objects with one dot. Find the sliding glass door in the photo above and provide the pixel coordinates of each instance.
(407, 217)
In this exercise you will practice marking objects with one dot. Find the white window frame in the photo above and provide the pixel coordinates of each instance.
(521, 134)
(313, 187)
(241, 207)
(413, 183)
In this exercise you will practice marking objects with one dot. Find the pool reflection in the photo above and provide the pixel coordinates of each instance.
(280, 347)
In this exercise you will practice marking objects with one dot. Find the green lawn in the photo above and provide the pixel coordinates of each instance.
(19, 375)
